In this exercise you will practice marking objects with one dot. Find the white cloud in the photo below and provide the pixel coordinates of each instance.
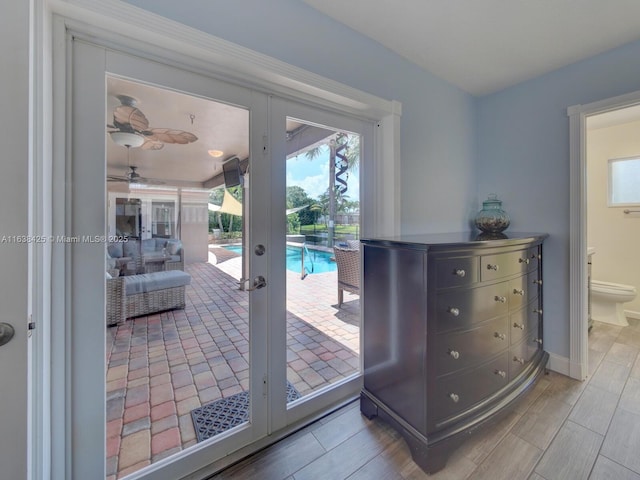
(314, 185)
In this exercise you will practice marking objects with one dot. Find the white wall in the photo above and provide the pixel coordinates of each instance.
(523, 155)
(437, 124)
(613, 234)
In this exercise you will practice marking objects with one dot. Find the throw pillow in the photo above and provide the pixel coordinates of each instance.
(115, 250)
(173, 247)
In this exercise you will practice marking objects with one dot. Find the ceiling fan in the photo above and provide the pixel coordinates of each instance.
(131, 128)
(132, 176)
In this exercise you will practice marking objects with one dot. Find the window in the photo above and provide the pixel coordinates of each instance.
(624, 181)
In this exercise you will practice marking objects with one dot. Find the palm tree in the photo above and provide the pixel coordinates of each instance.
(315, 208)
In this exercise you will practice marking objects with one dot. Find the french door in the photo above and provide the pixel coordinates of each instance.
(322, 156)
(145, 394)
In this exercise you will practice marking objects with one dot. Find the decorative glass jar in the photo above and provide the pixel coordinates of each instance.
(492, 219)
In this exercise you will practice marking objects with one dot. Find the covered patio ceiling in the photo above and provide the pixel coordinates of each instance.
(217, 125)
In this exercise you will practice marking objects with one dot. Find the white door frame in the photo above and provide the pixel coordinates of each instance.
(176, 44)
(578, 327)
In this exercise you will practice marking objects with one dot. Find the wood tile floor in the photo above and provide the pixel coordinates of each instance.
(563, 429)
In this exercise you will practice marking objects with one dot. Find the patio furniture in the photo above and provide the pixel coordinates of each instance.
(152, 255)
(348, 261)
(135, 295)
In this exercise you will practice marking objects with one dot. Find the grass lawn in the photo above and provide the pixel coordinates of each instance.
(322, 228)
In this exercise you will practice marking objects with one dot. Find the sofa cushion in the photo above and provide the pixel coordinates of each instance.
(149, 245)
(131, 248)
(111, 262)
(115, 250)
(150, 282)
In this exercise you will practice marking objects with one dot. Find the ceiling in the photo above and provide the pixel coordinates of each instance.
(484, 46)
(218, 126)
(481, 46)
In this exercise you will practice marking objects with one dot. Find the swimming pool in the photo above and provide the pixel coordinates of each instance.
(315, 261)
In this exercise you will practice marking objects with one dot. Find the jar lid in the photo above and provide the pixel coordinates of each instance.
(492, 199)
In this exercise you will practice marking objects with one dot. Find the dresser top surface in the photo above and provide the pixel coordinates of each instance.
(461, 239)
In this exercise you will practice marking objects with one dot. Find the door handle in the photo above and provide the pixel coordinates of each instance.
(258, 283)
(6, 333)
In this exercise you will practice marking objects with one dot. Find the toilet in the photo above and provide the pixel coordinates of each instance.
(607, 301)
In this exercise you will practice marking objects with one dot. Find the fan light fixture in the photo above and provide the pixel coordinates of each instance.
(127, 139)
(216, 153)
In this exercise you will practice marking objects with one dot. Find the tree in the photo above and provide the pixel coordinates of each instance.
(340, 145)
(297, 197)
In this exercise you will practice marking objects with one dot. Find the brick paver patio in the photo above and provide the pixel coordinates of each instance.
(162, 366)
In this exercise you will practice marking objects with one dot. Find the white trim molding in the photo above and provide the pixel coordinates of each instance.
(194, 49)
(578, 325)
(559, 364)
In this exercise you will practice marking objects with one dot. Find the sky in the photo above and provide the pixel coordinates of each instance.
(313, 175)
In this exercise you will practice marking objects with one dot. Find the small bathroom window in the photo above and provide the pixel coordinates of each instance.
(624, 182)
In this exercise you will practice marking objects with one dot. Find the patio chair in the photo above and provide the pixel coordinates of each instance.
(348, 262)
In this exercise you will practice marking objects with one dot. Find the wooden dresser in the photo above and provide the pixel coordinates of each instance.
(452, 330)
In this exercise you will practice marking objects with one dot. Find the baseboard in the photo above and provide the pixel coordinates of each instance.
(559, 364)
(632, 314)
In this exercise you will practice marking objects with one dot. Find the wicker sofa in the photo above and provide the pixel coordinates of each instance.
(149, 255)
(347, 256)
(135, 295)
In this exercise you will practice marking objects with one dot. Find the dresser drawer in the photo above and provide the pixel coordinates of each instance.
(457, 392)
(520, 292)
(535, 256)
(456, 271)
(535, 283)
(457, 350)
(521, 354)
(523, 321)
(505, 264)
(461, 309)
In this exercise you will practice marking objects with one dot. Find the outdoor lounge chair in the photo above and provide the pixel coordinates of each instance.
(348, 262)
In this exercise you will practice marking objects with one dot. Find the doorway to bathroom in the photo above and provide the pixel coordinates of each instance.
(612, 207)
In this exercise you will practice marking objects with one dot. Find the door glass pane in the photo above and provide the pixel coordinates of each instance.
(323, 257)
(177, 348)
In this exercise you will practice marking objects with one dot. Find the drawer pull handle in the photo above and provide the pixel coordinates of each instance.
(493, 267)
(455, 398)
(538, 340)
(501, 336)
(454, 311)
(538, 311)
(500, 299)
(537, 282)
(459, 272)
(518, 325)
(519, 360)
(524, 260)
(455, 355)
(501, 373)
(518, 292)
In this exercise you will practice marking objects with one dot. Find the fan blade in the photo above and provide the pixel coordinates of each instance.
(127, 116)
(150, 144)
(150, 181)
(116, 178)
(167, 135)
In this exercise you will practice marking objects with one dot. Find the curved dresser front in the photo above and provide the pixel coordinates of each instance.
(452, 331)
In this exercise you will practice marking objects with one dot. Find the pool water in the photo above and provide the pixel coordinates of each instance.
(315, 261)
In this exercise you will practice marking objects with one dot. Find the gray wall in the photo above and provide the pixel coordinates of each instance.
(523, 155)
(437, 125)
